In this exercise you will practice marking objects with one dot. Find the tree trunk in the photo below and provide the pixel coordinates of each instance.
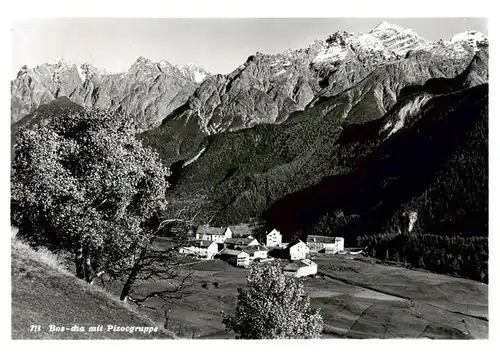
(128, 284)
(80, 272)
(127, 287)
(87, 268)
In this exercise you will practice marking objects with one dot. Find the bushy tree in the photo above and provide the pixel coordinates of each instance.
(83, 183)
(274, 306)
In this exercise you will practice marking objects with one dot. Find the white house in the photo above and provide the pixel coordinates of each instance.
(328, 245)
(238, 243)
(335, 247)
(237, 257)
(201, 249)
(302, 268)
(216, 234)
(273, 238)
(298, 250)
(256, 252)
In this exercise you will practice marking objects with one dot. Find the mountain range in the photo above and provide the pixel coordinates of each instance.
(147, 90)
(347, 136)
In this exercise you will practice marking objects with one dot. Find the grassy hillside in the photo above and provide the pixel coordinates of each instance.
(359, 298)
(44, 294)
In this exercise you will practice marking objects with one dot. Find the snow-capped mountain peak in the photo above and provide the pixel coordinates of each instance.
(333, 49)
(89, 71)
(385, 26)
(61, 66)
(468, 35)
(62, 63)
(194, 72)
(472, 38)
(337, 46)
(142, 60)
(191, 71)
(398, 39)
(164, 64)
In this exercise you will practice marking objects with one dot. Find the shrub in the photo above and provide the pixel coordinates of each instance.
(274, 306)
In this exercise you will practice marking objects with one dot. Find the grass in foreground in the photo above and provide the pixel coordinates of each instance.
(357, 300)
(45, 294)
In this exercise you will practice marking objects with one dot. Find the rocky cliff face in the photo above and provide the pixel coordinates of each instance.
(398, 39)
(194, 72)
(267, 88)
(147, 90)
(341, 77)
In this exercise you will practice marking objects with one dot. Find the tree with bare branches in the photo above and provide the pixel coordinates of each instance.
(160, 260)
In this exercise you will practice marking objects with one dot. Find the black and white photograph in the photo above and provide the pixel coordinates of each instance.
(228, 178)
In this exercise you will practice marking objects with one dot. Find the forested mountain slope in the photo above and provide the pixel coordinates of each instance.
(348, 156)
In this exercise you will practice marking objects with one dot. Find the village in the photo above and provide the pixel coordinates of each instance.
(237, 246)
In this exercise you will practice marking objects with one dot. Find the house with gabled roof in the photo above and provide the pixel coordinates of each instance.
(274, 238)
(236, 257)
(297, 250)
(238, 243)
(201, 249)
(215, 234)
(328, 245)
(300, 268)
(256, 251)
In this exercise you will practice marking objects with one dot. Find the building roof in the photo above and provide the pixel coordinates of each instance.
(273, 230)
(295, 265)
(292, 267)
(252, 249)
(198, 243)
(232, 252)
(211, 230)
(256, 247)
(241, 230)
(205, 244)
(322, 239)
(239, 241)
(308, 262)
(291, 244)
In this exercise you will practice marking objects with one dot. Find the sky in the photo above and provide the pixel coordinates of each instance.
(218, 45)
